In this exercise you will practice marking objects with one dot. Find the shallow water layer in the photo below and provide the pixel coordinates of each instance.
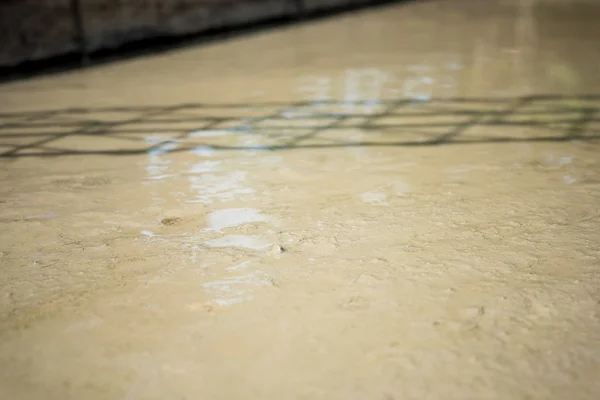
(401, 203)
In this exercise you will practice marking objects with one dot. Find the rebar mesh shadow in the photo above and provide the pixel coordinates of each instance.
(301, 125)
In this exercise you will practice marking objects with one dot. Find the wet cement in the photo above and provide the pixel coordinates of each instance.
(396, 204)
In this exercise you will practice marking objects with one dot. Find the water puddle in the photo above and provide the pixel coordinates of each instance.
(209, 188)
(232, 217)
(211, 180)
(214, 178)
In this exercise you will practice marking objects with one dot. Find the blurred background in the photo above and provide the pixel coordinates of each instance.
(34, 30)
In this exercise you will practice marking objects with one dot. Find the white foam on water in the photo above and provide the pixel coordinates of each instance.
(231, 217)
(244, 241)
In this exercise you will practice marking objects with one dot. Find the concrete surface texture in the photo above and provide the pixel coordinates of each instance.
(35, 30)
(401, 203)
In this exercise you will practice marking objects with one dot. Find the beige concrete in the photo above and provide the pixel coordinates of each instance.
(398, 204)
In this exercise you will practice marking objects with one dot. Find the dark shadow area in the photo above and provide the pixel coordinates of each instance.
(160, 44)
(302, 125)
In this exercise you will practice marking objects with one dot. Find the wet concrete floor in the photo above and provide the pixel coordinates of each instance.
(401, 203)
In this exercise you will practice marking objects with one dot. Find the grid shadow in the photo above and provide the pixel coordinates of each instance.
(274, 126)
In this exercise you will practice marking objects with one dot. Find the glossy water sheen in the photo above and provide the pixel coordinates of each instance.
(398, 204)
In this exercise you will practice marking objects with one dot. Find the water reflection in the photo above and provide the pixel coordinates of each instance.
(214, 180)
(232, 217)
(394, 180)
(210, 185)
(222, 185)
(217, 179)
